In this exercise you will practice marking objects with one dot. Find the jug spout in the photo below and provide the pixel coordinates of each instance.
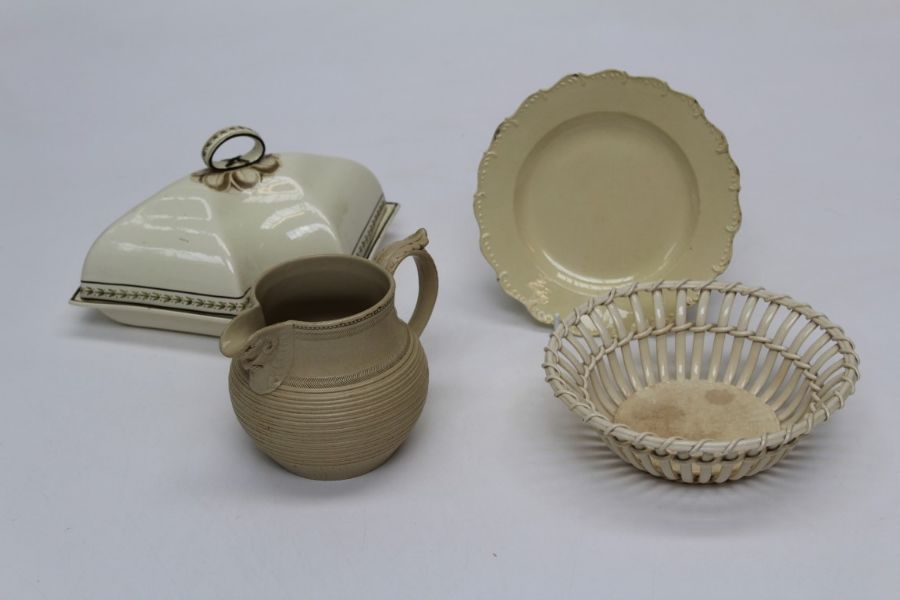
(265, 352)
(236, 337)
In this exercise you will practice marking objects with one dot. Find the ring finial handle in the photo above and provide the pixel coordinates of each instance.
(216, 140)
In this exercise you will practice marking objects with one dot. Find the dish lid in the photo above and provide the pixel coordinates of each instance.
(199, 244)
(602, 181)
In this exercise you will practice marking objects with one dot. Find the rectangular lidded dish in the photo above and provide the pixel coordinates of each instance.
(185, 258)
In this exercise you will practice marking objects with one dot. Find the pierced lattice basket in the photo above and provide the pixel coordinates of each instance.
(719, 391)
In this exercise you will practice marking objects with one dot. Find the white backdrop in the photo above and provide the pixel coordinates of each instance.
(123, 472)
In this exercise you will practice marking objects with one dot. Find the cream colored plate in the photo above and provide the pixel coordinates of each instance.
(602, 181)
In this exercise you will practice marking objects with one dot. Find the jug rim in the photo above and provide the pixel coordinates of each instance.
(372, 310)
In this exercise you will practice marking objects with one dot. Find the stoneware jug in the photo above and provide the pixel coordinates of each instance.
(325, 377)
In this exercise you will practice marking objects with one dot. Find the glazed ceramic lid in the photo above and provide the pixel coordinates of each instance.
(603, 181)
(186, 258)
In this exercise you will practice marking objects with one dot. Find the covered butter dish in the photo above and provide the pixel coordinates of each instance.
(186, 258)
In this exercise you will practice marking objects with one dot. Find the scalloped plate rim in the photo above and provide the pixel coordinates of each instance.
(531, 301)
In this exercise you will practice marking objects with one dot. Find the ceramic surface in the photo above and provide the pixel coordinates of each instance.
(601, 181)
(710, 395)
(325, 377)
(185, 258)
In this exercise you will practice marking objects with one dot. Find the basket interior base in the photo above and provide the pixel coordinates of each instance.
(697, 410)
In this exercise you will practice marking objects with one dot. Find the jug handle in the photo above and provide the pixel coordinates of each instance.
(391, 256)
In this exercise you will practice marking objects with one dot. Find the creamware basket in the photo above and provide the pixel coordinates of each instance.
(711, 393)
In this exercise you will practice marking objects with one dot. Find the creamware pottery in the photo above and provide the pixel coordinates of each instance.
(722, 392)
(185, 258)
(325, 377)
(601, 181)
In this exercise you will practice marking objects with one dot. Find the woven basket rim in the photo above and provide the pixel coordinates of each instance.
(683, 447)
